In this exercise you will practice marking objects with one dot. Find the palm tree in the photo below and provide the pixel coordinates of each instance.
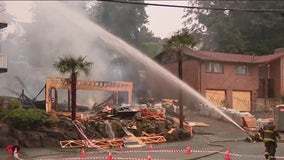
(175, 44)
(73, 65)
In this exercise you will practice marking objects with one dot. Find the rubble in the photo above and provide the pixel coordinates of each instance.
(141, 124)
(125, 111)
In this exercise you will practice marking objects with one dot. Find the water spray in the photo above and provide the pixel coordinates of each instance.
(126, 50)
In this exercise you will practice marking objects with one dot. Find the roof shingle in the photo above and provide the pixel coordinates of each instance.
(227, 57)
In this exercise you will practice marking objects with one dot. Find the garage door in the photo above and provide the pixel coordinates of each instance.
(241, 100)
(216, 97)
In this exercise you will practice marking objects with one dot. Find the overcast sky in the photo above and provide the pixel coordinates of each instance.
(163, 21)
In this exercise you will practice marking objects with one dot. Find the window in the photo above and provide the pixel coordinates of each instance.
(242, 69)
(214, 67)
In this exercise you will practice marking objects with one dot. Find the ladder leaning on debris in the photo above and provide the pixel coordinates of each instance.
(102, 143)
(107, 143)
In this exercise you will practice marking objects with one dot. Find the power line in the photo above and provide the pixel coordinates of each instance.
(195, 7)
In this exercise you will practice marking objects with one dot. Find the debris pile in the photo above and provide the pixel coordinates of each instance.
(132, 125)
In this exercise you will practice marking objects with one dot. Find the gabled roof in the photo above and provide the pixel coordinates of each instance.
(227, 57)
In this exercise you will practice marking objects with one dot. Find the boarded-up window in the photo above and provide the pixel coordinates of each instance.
(241, 100)
(216, 97)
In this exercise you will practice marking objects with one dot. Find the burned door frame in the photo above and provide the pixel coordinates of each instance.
(54, 83)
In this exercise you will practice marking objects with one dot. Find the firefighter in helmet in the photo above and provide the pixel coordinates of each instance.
(270, 135)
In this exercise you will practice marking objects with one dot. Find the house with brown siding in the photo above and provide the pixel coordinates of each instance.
(237, 81)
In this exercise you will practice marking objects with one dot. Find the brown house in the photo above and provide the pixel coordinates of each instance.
(237, 81)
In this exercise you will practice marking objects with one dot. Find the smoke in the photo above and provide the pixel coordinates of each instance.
(54, 32)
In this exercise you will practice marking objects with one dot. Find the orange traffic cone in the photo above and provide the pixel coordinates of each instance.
(149, 156)
(120, 148)
(83, 154)
(109, 155)
(188, 151)
(150, 147)
(9, 149)
(227, 155)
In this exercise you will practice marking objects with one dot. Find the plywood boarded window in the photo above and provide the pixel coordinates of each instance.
(241, 100)
(216, 97)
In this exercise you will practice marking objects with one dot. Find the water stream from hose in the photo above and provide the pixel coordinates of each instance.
(88, 28)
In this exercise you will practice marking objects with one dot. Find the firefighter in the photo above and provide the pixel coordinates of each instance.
(15, 148)
(257, 137)
(270, 135)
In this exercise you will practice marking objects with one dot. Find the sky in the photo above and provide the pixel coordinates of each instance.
(163, 21)
(20, 9)
(59, 37)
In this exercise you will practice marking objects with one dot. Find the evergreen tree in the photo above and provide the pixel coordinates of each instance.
(122, 20)
(238, 31)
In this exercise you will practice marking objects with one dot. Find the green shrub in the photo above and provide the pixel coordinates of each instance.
(24, 118)
(14, 104)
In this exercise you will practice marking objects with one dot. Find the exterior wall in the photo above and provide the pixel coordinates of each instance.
(3, 63)
(229, 81)
(266, 104)
(282, 75)
(165, 88)
(276, 81)
(159, 86)
(195, 75)
(275, 74)
(191, 72)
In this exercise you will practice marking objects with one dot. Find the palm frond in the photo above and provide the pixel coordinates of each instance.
(181, 39)
(71, 64)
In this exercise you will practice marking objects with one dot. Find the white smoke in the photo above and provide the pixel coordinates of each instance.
(54, 32)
